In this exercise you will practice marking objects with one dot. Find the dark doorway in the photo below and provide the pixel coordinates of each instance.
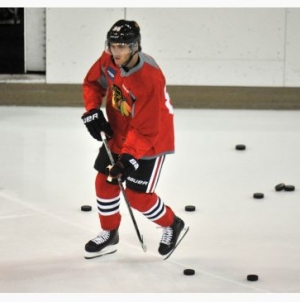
(11, 40)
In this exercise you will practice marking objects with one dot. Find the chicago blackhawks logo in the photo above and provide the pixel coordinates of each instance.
(119, 102)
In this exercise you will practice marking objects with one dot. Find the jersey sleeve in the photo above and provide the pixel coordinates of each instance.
(95, 84)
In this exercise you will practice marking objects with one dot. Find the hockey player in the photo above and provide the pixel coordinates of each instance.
(140, 133)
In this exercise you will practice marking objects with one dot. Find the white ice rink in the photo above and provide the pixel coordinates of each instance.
(46, 174)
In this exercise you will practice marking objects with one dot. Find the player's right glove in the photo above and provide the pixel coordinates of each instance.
(95, 122)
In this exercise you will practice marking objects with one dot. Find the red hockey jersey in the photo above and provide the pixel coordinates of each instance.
(138, 106)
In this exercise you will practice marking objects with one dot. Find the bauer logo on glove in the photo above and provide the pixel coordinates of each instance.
(90, 118)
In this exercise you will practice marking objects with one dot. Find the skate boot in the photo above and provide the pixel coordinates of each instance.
(105, 243)
(171, 237)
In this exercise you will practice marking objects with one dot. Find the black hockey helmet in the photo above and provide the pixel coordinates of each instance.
(124, 32)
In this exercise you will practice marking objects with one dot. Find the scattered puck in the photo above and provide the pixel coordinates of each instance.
(280, 187)
(240, 147)
(289, 188)
(86, 208)
(189, 272)
(252, 277)
(190, 208)
(258, 195)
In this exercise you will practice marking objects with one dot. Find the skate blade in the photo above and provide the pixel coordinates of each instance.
(106, 251)
(181, 236)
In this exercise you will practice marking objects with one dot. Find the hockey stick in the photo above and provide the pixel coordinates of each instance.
(123, 192)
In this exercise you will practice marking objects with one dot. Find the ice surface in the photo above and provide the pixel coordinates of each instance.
(46, 174)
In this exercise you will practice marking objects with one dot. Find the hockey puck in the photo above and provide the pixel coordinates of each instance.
(280, 187)
(240, 147)
(190, 208)
(289, 188)
(86, 208)
(189, 272)
(252, 277)
(258, 195)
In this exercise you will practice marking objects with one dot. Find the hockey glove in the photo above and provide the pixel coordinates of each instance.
(95, 122)
(125, 165)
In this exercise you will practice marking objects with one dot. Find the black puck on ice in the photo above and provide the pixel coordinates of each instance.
(189, 272)
(258, 195)
(240, 147)
(289, 188)
(252, 277)
(86, 208)
(190, 208)
(280, 187)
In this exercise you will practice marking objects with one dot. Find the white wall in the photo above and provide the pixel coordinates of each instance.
(35, 48)
(75, 39)
(194, 46)
(292, 44)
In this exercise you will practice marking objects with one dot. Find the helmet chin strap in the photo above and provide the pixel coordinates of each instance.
(129, 60)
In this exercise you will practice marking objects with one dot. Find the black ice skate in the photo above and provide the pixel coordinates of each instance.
(171, 237)
(105, 243)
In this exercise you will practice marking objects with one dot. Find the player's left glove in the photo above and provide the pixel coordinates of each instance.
(125, 165)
